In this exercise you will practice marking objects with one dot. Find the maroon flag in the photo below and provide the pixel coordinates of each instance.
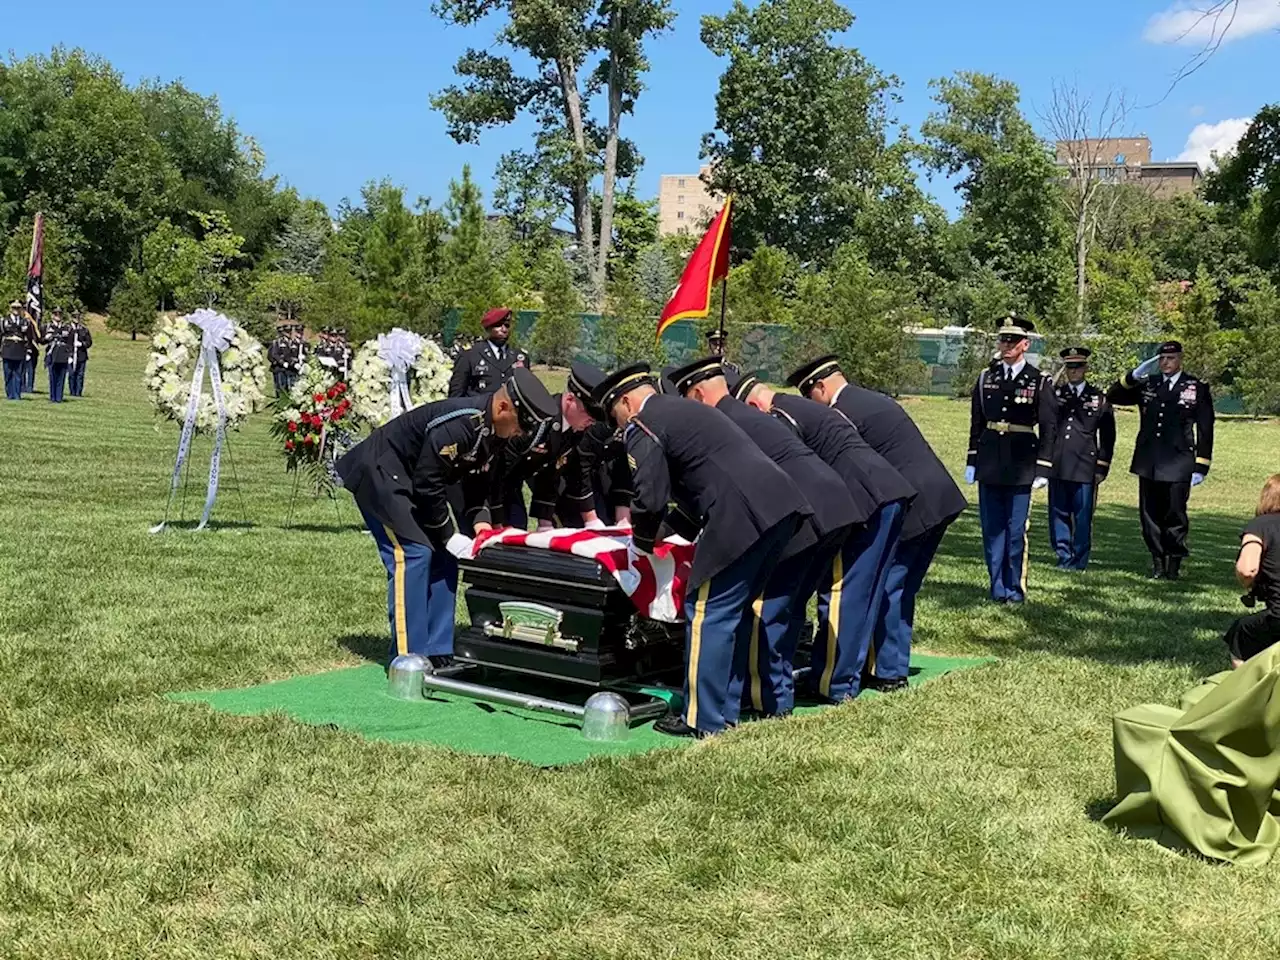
(35, 272)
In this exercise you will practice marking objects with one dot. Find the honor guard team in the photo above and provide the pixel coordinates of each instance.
(66, 356)
(833, 494)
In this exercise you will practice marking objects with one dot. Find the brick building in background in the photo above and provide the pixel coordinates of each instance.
(684, 203)
(1128, 160)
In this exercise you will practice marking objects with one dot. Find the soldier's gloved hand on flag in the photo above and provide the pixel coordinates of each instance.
(595, 523)
(971, 475)
(460, 546)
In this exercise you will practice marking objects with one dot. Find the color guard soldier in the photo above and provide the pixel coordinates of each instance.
(278, 352)
(15, 337)
(59, 351)
(1007, 458)
(850, 591)
(717, 342)
(748, 509)
(1172, 453)
(1086, 437)
(890, 432)
(33, 353)
(81, 341)
(777, 614)
(398, 476)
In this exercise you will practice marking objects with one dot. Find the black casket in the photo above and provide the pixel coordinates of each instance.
(562, 617)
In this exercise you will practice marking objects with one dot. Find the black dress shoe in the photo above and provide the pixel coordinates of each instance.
(1172, 568)
(1157, 569)
(889, 685)
(674, 726)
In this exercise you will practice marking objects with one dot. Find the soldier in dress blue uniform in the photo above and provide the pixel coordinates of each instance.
(748, 510)
(717, 343)
(278, 352)
(398, 476)
(33, 353)
(59, 337)
(890, 432)
(15, 338)
(297, 355)
(1007, 458)
(1086, 437)
(1173, 451)
(81, 340)
(853, 583)
(777, 614)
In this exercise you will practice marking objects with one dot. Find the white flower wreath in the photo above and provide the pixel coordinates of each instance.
(427, 376)
(175, 349)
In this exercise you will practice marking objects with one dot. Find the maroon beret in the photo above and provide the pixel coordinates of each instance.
(496, 316)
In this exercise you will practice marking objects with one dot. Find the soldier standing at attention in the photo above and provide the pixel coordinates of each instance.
(297, 355)
(1006, 457)
(15, 335)
(1086, 437)
(1172, 453)
(485, 366)
(60, 349)
(82, 340)
(278, 356)
(33, 353)
(716, 344)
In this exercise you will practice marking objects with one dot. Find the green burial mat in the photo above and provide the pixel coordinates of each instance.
(356, 699)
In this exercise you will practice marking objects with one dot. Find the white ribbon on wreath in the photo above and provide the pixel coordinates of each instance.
(399, 350)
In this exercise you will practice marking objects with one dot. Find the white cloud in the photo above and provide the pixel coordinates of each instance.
(1208, 139)
(1202, 22)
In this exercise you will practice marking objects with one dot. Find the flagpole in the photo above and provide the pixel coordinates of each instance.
(724, 299)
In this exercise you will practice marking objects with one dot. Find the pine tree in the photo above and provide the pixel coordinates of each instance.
(1260, 317)
(471, 280)
(1195, 324)
(558, 331)
(626, 332)
(133, 306)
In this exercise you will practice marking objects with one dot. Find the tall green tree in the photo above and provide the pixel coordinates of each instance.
(133, 306)
(1260, 357)
(558, 330)
(61, 263)
(1194, 322)
(1249, 181)
(626, 333)
(471, 282)
(302, 245)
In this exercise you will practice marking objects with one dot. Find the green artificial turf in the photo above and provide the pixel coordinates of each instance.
(356, 700)
(958, 820)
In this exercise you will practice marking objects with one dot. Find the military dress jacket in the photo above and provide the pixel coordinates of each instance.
(869, 478)
(1086, 435)
(480, 370)
(683, 451)
(60, 340)
(894, 435)
(400, 472)
(832, 504)
(15, 338)
(82, 341)
(335, 356)
(605, 453)
(558, 476)
(1175, 439)
(278, 353)
(1012, 426)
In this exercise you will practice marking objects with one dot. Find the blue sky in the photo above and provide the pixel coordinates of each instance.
(337, 93)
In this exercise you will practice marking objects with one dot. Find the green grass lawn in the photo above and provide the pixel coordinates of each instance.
(959, 819)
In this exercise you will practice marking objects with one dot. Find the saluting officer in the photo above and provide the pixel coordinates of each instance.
(777, 614)
(890, 432)
(59, 351)
(484, 366)
(15, 337)
(278, 352)
(81, 341)
(1007, 459)
(748, 509)
(1172, 453)
(1086, 437)
(398, 476)
(853, 583)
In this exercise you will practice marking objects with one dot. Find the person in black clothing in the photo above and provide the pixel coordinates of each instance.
(398, 476)
(1086, 437)
(15, 338)
(890, 432)
(33, 352)
(278, 352)
(748, 510)
(717, 343)
(1007, 458)
(1172, 453)
(81, 341)
(59, 337)
(853, 584)
(778, 613)
(1258, 570)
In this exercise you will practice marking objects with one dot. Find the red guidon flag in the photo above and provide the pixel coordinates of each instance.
(656, 585)
(709, 263)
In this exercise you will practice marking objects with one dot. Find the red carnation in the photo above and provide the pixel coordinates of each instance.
(331, 392)
(288, 444)
(293, 427)
(342, 388)
(335, 416)
(318, 397)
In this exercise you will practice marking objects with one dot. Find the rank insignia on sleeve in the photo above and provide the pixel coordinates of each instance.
(450, 452)
(631, 462)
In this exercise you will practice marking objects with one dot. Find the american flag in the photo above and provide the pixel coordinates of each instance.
(35, 271)
(656, 585)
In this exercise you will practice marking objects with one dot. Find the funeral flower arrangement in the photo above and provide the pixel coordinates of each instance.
(396, 372)
(182, 352)
(315, 424)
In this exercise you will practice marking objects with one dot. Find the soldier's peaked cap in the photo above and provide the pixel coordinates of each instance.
(583, 381)
(741, 384)
(805, 377)
(694, 373)
(1075, 355)
(621, 382)
(15, 303)
(532, 400)
(1014, 326)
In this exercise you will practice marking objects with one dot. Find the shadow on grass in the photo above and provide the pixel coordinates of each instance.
(323, 527)
(1111, 612)
(366, 646)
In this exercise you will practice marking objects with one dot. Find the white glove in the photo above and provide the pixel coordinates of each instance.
(1197, 479)
(596, 524)
(1039, 483)
(460, 546)
(971, 475)
(1146, 368)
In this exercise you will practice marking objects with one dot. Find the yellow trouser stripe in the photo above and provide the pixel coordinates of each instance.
(695, 649)
(397, 579)
(757, 651)
(833, 624)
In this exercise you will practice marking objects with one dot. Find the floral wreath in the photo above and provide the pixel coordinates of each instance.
(175, 351)
(423, 375)
(315, 424)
